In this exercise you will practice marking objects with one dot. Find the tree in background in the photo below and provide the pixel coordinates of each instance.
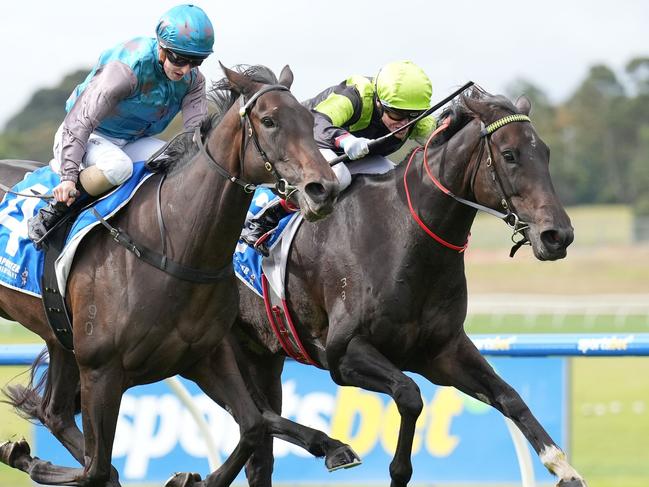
(30, 133)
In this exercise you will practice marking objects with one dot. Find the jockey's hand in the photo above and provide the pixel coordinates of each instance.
(65, 192)
(355, 147)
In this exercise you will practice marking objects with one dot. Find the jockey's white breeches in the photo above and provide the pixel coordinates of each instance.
(114, 157)
(366, 165)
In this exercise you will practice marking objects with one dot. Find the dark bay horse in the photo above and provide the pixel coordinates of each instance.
(373, 292)
(135, 324)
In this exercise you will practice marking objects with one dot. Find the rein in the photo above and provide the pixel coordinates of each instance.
(510, 217)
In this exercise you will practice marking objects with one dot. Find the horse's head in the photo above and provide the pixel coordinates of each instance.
(277, 142)
(513, 174)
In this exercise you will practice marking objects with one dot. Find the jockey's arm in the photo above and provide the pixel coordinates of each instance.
(194, 106)
(337, 110)
(112, 83)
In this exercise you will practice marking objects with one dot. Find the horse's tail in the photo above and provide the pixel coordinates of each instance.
(30, 401)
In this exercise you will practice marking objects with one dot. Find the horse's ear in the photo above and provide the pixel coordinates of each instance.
(523, 105)
(286, 77)
(238, 82)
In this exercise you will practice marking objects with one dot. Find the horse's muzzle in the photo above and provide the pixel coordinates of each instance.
(318, 199)
(555, 242)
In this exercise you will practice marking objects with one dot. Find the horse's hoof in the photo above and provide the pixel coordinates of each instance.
(184, 480)
(342, 457)
(10, 450)
(572, 483)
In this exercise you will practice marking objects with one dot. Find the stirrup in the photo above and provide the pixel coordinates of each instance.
(260, 244)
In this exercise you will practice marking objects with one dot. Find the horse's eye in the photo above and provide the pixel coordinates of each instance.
(268, 122)
(509, 155)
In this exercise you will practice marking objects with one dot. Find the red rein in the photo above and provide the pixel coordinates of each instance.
(433, 235)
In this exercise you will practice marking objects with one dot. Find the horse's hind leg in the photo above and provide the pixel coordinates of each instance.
(461, 365)
(17, 455)
(56, 407)
(58, 404)
(219, 377)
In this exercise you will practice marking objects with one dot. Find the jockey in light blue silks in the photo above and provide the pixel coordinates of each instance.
(347, 116)
(133, 92)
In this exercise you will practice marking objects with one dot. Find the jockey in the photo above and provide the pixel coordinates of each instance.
(350, 114)
(133, 93)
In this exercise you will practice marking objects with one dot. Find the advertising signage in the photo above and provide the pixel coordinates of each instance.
(457, 439)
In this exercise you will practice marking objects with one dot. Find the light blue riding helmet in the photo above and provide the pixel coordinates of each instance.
(186, 30)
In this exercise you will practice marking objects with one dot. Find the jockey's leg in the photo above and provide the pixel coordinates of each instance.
(105, 165)
(261, 227)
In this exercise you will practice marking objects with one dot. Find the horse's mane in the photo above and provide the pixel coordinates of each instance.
(459, 113)
(221, 97)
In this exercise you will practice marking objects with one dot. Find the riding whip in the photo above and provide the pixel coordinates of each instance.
(375, 142)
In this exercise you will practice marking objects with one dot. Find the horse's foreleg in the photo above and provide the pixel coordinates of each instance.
(101, 395)
(364, 366)
(263, 376)
(463, 367)
(219, 377)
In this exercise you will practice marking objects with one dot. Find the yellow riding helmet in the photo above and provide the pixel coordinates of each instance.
(403, 85)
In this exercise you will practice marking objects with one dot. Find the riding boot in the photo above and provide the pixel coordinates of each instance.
(90, 185)
(259, 229)
(44, 220)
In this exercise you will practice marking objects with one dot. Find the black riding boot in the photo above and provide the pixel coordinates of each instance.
(259, 229)
(46, 218)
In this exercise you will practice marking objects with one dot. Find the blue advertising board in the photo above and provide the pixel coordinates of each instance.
(458, 439)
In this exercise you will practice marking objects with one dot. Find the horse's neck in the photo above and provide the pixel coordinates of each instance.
(441, 213)
(209, 210)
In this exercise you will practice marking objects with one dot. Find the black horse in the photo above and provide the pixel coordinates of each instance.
(135, 324)
(379, 288)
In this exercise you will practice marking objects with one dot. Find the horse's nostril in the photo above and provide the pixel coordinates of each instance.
(557, 238)
(317, 192)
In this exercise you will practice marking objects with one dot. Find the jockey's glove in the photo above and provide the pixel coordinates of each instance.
(355, 147)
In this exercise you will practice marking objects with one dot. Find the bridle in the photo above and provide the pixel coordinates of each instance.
(282, 186)
(510, 217)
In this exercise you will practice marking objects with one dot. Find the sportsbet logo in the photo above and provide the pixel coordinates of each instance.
(378, 423)
(153, 426)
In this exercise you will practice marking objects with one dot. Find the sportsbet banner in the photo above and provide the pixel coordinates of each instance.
(457, 439)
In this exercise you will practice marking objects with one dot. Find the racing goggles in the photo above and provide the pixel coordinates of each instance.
(182, 61)
(401, 115)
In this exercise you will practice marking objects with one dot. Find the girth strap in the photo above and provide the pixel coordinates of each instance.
(161, 262)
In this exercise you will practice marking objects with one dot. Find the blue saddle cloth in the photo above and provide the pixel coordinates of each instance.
(247, 261)
(21, 265)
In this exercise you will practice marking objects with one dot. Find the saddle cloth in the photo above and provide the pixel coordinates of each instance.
(249, 265)
(21, 265)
